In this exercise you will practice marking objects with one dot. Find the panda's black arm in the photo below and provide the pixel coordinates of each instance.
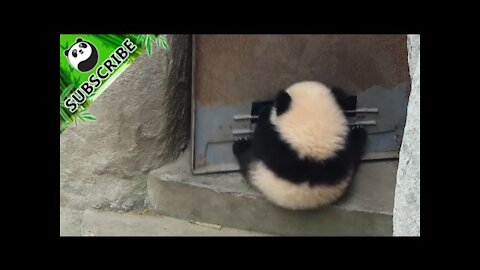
(356, 143)
(341, 98)
(242, 149)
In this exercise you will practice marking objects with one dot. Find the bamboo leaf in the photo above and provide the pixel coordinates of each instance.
(161, 37)
(64, 47)
(149, 49)
(162, 41)
(90, 118)
(164, 44)
(140, 38)
(65, 117)
(86, 116)
(66, 92)
(159, 41)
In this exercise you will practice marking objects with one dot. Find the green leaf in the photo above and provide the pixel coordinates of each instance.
(86, 116)
(66, 92)
(146, 39)
(164, 44)
(149, 49)
(162, 41)
(64, 47)
(159, 41)
(65, 117)
(89, 118)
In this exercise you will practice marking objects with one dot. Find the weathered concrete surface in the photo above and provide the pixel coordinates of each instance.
(69, 221)
(142, 123)
(406, 214)
(226, 200)
(101, 223)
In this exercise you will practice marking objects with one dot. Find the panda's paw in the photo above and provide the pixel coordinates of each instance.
(355, 127)
(359, 133)
(240, 145)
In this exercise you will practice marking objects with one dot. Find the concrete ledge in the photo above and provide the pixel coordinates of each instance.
(101, 223)
(226, 200)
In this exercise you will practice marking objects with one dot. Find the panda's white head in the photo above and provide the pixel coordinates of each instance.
(308, 118)
(82, 55)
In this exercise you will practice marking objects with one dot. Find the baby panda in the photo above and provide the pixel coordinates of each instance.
(82, 55)
(303, 152)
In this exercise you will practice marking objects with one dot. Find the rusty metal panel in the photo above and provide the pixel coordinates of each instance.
(230, 72)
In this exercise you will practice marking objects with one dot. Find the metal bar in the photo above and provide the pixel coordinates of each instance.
(242, 131)
(364, 123)
(244, 117)
(363, 110)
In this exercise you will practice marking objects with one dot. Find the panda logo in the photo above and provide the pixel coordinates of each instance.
(82, 55)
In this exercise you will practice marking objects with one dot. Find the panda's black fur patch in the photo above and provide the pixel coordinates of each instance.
(90, 62)
(267, 146)
(282, 102)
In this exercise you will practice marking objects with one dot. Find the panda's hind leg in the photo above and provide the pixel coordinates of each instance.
(242, 149)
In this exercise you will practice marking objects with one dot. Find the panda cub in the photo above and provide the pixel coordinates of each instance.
(303, 152)
(82, 55)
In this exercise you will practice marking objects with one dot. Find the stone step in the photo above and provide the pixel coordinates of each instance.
(100, 223)
(226, 200)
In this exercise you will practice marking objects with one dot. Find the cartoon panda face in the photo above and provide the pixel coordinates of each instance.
(82, 55)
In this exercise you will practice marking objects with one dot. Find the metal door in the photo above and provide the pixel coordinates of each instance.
(233, 74)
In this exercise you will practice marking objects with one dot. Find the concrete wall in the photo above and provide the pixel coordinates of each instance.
(406, 212)
(142, 123)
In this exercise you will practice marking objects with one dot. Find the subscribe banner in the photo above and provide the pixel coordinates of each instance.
(89, 63)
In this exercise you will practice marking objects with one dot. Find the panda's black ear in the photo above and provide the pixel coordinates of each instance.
(66, 52)
(79, 40)
(282, 102)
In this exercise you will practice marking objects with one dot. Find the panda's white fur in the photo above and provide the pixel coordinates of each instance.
(294, 196)
(315, 127)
